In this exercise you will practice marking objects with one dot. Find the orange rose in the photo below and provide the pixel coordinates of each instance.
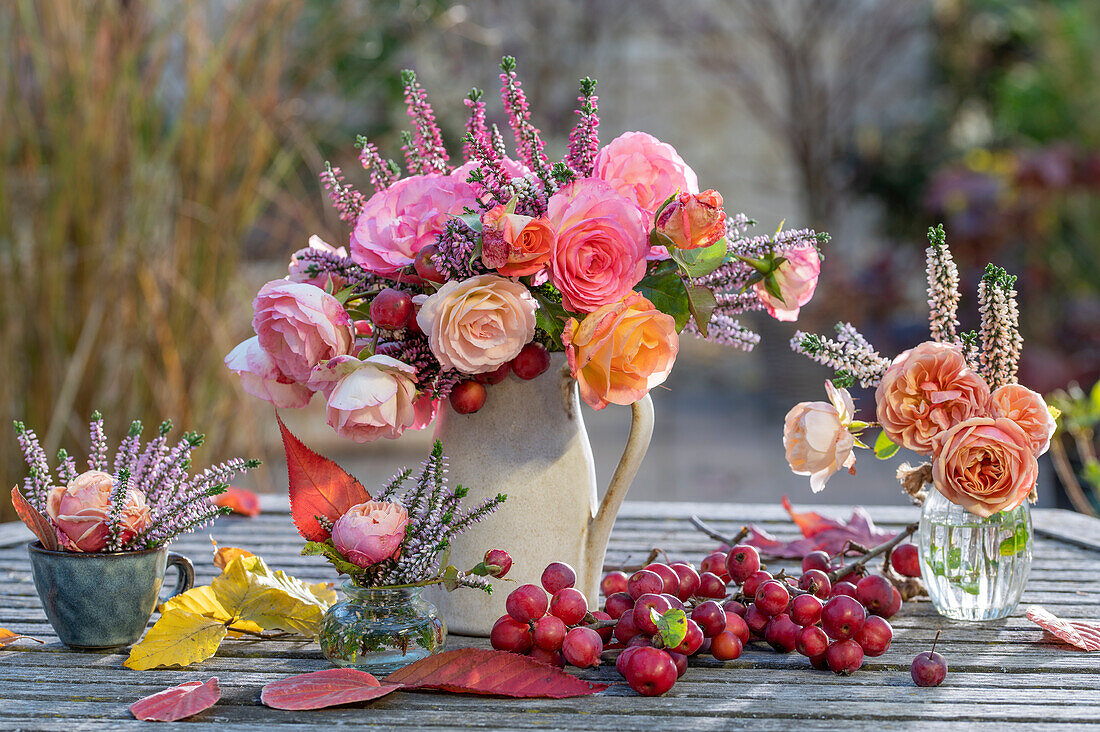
(620, 351)
(1027, 409)
(514, 244)
(927, 390)
(985, 465)
(693, 220)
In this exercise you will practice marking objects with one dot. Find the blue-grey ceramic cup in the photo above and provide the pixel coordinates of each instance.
(98, 601)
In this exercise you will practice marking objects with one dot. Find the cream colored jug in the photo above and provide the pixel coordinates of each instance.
(529, 442)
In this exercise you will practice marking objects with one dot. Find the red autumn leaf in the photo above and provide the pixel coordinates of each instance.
(480, 671)
(819, 532)
(318, 487)
(1083, 635)
(241, 501)
(35, 521)
(179, 702)
(321, 689)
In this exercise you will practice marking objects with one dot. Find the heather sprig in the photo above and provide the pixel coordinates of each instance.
(529, 141)
(424, 150)
(476, 128)
(458, 245)
(488, 172)
(383, 172)
(850, 353)
(943, 288)
(347, 201)
(37, 482)
(114, 516)
(97, 455)
(1001, 342)
(584, 139)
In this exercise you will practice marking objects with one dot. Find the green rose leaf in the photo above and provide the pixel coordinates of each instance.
(551, 317)
(700, 262)
(885, 448)
(327, 550)
(450, 578)
(664, 288)
(671, 627)
(471, 220)
(701, 303)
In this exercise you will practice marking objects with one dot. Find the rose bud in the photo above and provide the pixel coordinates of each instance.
(693, 220)
(497, 562)
(370, 532)
(79, 511)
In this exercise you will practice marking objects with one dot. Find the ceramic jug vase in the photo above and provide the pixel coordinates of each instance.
(529, 442)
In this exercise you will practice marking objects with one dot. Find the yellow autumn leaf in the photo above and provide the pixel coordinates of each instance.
(204, 601)
(8, 637)
(323, 591)
(179, 638)
(248, 589)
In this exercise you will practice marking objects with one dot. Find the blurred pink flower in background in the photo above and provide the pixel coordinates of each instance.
(985, 465)
(300, 326)
(261, 378)
(368, 399)
(370, 532)
(797, 280)
(80, 509)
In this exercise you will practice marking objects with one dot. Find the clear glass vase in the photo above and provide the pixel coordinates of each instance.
(381, 628)
(974, 568)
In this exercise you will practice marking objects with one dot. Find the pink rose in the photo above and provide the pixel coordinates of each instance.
(1027, 409)
(644, 169)
(370, 532)
(816, 437)
(397, 222)
(601, 245)
(797, 280)
(261, 378)
(367, 399)
(300, 326)
(926, 390)
(693, 220)
(297, 269)
(479, 323)
(79, 511)
(985, 465)
(513, 244)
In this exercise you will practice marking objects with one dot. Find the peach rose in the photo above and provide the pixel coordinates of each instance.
(600, 247)
(644, 169)
(985, 465)
(261, 378)
(80, 509)
(479, 323)
(297, 271)
(300, 326)
(621, 351)
(816, 437)
(1027, 409)
(926, 390)
(397, 222)
(797, 280)
(513, 244)
(693, 220)
(367, 399)
(370, 532)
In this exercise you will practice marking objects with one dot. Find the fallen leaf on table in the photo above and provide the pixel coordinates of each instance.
(251, 591)
(7, 637)
(819, 532)
(324, 592)
(239, 500)
(178, 638)
(204, 601)
(480, 671)
(35, 521)
(225, 554)
(318, 487)
(1081, 634)
(320, 689)
(177, 703)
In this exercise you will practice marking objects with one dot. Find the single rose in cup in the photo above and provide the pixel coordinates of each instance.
(79, 510)
(370, 532)
(985, 465)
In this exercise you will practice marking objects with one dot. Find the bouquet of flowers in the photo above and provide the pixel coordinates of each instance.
(142, 499)
(456, 275)
(954, 399)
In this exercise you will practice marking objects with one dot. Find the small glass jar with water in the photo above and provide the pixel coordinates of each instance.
(380, 629)
(974, 568)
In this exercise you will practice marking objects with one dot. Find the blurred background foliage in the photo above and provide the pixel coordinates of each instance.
(158, 161)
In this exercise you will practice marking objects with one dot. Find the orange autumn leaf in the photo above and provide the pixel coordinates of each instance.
(7, 637)
(223, 555)
(239, 500)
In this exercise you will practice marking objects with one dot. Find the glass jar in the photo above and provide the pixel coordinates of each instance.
(974, 568)
(381, 628)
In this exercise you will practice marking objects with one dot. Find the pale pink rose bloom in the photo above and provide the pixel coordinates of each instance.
(397, 222)
(816, 437)
(644, 169)
(1027, 409)
(300, 326)
(261, 378)
(297, 269)
(79, 511)
(479, 323)
(985, 465)
(602, 239)
(367, 399)
(370, 532)
(797, 280)
(926, 390)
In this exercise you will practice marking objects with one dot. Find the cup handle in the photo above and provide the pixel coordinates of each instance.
(186, 577)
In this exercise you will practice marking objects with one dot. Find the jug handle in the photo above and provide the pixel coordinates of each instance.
(641, 432)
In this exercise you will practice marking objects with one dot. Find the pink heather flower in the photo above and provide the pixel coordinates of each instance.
(367, 399)
(261, 378)
(797, 279)
(644, 169)
(300, 326)
(601, 244)
(398, 221)
(1027, 409)
(370, 532)
(297, 269)
(79, 511)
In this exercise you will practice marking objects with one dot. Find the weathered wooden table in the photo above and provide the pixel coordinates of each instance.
(1003, 675)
